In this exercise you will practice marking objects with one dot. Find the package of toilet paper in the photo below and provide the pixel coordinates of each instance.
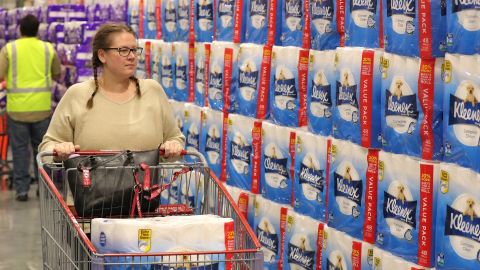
(351, 195)
(251, 97)
(230, 20)
(406, 208)
(143, 66)
(178, 112)
(240, 152)
(412, 98)
(320, 97)
(278, 151)
(156, 60)
(327, 24)
(356, 114)
(457, 236)
(211, 139)
(192, 127)
(244, 200)
(462, 110)
(204, 20)
(293, 23)
(463, 26)
(134, 15)
(222, 82)
(202, 59)
(169, 20)
(152, 19)
(270, 223)
(310, 183)
(180, 52)
(288, 86)
(341, 251)
(363, 23)
(166, 66)
(383, 260)
(301, 242)
(183, 20)
(261, 22)
(415, 28)
(169, 234)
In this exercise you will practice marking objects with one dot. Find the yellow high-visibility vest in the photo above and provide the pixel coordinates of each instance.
(29, 77)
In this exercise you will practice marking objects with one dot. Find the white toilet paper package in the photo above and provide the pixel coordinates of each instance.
(301, 243)
(310, 183)
(169, 20)
(383, 260)
(204, 21)
(192, 128)
(252, 95)
(270, 231)
(153, 235)
(240, 152)
(245, 201)
(134, 15)
(415, 28)
(457, 236)
(406, 214)
(202, 62)
(278, 150)
(351, 195)
(362, 23)
(463, 22)
(166, 67)
(357, 96)
(320, 96)
(261, 21)
(288, 86)
(222, 82)
(183, 20)
(152, 19)
(211, 139)
(412, 106)
(462, 110)
(293, 23)
(181, 54)
(327, 24)
(230, 20)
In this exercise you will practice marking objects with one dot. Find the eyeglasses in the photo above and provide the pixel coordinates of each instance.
(125, 51)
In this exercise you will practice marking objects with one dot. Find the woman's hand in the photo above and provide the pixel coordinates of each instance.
(171, 148)
(64, 150)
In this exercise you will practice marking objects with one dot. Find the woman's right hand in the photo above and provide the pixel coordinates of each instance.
(64, 150)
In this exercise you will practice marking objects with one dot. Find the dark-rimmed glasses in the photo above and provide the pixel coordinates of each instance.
(125, 51)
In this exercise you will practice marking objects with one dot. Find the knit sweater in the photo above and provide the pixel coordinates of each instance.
(140, 123)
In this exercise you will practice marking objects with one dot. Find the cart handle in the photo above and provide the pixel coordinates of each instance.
(184, 152)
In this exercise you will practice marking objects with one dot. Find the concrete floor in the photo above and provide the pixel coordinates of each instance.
(20, 242)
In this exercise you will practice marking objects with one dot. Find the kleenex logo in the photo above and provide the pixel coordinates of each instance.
(370, 5)
(268, 240)
(167, 71)
(225, 8)
(349, 189)
(462, 225)
(248, 79)
(199, 74)
(311, 177)
(403, 106)
(286, 88)
(205, 12)
(322, 10)
(170, 15)
(459, 5)
(322, 94)
(181, 73)
(212, 144)
(216, 81)
(404, 211)
(240, 152)
(276, 165)
(401, 7)
(258, 7)
(462, 112)
(300, 256)
(192, 139)
(347, 95)
(293, 8)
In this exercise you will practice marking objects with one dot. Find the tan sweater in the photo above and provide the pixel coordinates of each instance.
(141, 123)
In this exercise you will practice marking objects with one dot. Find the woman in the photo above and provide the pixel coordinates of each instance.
(114, 110)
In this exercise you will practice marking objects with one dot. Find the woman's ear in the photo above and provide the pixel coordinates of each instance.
(101, 56)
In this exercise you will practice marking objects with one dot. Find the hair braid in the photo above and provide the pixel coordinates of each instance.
(95, 78)
(137, 85)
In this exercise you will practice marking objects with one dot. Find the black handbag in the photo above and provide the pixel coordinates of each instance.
(104, 185)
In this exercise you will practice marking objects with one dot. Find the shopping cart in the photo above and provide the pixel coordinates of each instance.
(65, 233)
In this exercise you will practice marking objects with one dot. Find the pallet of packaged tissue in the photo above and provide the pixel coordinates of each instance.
(139, 242)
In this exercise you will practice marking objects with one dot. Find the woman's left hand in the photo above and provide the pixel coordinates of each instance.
(171, 148)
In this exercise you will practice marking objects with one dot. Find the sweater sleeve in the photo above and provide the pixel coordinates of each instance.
(61, 127)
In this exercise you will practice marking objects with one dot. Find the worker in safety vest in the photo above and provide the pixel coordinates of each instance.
(28, 65)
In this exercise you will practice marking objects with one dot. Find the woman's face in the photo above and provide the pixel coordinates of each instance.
(121, 66)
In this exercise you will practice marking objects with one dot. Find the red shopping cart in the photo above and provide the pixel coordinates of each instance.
(65, 231)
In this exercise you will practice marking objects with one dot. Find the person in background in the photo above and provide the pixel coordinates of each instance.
(114, 110)
(28, 65)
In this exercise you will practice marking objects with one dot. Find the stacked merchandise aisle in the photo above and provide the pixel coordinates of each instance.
(348, 131)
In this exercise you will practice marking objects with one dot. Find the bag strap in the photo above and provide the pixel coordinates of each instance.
(81, 164)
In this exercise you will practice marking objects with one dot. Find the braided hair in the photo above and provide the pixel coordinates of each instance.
(102, 40)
